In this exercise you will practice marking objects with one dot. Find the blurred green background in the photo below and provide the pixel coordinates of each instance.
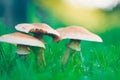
(102, 60)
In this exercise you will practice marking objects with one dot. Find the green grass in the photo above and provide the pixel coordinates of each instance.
(102, 61)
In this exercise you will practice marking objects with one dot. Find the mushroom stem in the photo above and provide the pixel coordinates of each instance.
(39, 52)
(66, 56)
(73, 44)
(22, 51)
(38, 35)
(40, 57)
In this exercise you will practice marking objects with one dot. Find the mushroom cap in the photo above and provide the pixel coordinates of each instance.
(21, 39)
(78, 33)
(38, 28)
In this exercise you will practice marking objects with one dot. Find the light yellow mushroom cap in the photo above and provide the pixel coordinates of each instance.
(78, 33)
(21, 39)
(38, 28)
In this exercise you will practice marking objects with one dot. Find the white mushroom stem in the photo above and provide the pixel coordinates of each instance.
(23, 51)
(74, 45)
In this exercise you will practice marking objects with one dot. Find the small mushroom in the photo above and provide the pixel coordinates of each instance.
(76, 34)
(38, 30)
(23, 41)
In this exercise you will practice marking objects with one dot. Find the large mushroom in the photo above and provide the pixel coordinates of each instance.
(38, 31)
(76, 34)
(23, 41)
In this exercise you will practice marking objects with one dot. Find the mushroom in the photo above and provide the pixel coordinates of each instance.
(38, 31)
(76, 34)
(23, 41)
